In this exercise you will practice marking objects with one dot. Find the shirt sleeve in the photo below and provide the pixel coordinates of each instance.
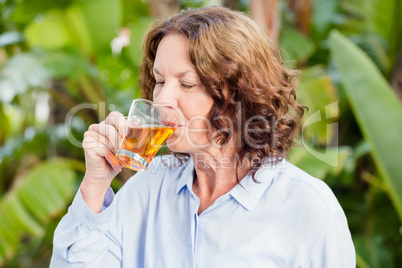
(334, 246)
(83, 238)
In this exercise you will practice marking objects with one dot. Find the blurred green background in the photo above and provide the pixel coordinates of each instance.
(66, 64)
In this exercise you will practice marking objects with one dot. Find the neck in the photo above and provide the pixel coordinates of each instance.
(216, 175)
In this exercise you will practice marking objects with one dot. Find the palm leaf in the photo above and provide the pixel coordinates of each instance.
(85, 18)
(35, 70)
(32, 202)
(295, 46)
(376, 108)
(318, 93)
(379, 16)
(319, 163)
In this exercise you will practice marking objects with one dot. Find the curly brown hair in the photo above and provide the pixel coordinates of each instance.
(242, 70)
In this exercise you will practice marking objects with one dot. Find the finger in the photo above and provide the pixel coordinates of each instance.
(93, 139)
(109, 132)
(118, 121)
(94, 145)
(134, 121)
(114, 163)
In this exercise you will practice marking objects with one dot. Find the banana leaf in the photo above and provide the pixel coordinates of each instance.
(318, 162)
(35, 69)
(94, 24)
(295, 46)
(380, 16)
(51, 32)
(318, 93)
(32, 202)
(376, 108)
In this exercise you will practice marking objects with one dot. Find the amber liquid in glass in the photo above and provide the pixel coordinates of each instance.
(144, 141)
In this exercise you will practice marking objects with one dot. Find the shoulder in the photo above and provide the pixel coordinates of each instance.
(314, 219)
(309, 190)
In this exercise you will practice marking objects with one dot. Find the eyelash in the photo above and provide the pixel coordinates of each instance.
(186, 86)
(183, 85)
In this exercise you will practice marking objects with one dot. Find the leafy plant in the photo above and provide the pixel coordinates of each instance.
(33, 200)
(59, 52)
(377, 109)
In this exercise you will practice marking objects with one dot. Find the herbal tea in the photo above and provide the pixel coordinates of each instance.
(143, 141)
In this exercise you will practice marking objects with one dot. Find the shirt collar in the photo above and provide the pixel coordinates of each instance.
(248, 191)
(187, 176)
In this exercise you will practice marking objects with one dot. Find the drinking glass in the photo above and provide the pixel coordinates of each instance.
(149, 125)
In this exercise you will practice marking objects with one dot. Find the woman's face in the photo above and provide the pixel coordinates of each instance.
(177, 83)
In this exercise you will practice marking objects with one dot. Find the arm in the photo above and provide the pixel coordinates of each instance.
(84, 236)
(85, 239)
(334, 246)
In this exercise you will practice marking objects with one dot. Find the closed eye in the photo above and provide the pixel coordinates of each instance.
(187, 86)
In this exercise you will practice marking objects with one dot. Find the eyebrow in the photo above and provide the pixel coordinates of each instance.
(181, 74)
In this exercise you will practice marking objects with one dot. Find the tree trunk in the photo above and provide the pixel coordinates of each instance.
(303, 10)
(232, 4)
(267, 14)
(163, 8)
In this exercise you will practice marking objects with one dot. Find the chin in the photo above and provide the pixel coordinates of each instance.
(175, 142)
(173, 145)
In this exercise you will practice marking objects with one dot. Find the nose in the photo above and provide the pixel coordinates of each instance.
(167, 94)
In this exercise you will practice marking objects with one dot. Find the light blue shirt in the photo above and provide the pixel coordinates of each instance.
(285, 219)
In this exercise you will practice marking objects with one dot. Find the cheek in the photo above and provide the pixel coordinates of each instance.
(196, 112)
(198, 125)
(196, 109)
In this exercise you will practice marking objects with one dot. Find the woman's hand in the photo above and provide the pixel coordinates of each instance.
(100, 144)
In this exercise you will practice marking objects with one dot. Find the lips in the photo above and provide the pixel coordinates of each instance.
(171, 124)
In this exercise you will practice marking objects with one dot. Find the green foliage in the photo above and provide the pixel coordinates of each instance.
(4, 125)
(60, 51)
(138, 30)
(319, 163)
(86, 18)
(50, 32)
(295, 46)
(376, 21)
(31, 203)
(318, 93)
(322, 18)
(379, 16)
(377, 109)
(35, 69)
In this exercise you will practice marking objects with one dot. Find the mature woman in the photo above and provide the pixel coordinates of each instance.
(229, 199)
